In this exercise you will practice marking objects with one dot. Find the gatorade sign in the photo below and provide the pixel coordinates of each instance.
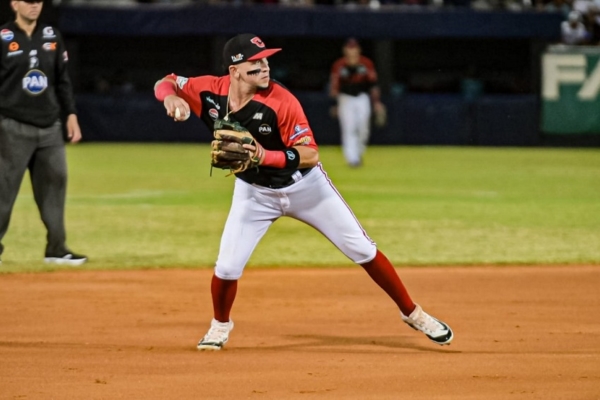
(571, 90)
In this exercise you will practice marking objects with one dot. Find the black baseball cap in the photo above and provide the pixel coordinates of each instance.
(245, 47)
(351, 42)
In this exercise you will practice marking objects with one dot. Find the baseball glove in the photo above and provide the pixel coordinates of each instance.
(228, 151)
(380, 115)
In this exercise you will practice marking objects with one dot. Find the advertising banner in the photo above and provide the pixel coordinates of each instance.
(570, 90)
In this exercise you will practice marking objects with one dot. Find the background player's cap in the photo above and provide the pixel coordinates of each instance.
(351, 43)
(245, 47)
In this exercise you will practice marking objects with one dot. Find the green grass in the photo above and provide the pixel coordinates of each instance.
(147, 206)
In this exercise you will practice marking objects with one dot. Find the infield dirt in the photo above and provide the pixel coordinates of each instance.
(520, 333)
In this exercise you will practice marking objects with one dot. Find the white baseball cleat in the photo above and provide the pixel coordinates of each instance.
(217, 335)
(436, 330)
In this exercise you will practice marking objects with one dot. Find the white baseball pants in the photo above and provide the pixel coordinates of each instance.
(313, 200)
(354, 114)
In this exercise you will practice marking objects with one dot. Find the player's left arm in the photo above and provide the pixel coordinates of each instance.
(301, 149)
(297, 133)
(372, 78)
(374, 91)
(64, 89)
(309, 157)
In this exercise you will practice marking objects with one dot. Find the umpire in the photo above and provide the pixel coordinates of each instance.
(35, 92)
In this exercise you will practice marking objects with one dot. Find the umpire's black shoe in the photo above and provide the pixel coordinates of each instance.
(69, 258)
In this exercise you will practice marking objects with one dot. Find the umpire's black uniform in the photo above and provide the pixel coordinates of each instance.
(35, 90)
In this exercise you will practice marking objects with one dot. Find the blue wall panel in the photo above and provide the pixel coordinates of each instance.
(435, 120)
(506, 121)
(412, 119)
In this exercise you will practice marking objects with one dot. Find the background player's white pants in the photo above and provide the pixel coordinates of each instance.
(313, 200)
(354, 113)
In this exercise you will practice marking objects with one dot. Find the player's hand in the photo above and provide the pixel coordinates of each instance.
(177, 108)
(380, 114)
(73, 129)
(257, 152)
(333, 112)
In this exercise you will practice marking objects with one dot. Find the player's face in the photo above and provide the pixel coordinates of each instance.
(352, 54)
(255, 73)
(28, 11)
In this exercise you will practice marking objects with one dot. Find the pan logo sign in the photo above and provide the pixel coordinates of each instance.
(35, 82)
(264, 129)
(572, 70)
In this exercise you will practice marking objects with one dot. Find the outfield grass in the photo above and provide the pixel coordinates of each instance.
(144, 206)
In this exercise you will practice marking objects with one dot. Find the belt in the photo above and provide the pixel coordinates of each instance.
(295, 177)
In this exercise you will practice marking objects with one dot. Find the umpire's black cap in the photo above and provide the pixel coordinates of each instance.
(245, 47)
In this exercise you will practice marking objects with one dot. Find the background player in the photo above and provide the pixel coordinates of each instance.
(290, 181)
(353, 83)
(35, 89)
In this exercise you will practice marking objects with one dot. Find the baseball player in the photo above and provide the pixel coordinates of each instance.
(353, 83)
(286, 179)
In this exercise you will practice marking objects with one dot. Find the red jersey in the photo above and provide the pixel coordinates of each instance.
(274, 117)
(353, 79)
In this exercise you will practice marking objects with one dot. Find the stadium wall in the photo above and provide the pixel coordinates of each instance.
(425, 56)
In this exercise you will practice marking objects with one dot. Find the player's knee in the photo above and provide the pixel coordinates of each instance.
(362, 254)
(227, 272)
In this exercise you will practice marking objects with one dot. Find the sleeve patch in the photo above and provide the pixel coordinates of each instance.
(298, 130)
(181, 81)
(306, 140)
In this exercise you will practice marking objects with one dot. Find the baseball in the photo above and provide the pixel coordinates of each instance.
(178, 114)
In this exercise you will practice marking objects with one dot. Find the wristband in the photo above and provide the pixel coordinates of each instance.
(164, 89)
(292, 158)
(274, 158)
(288, 158)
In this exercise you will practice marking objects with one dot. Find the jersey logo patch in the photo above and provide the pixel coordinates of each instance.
(35, 82)
(214, 103)
(214, 114)
(258, 116)
(49, 46)
(264, 129)
(48, 33)
(7, 34)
